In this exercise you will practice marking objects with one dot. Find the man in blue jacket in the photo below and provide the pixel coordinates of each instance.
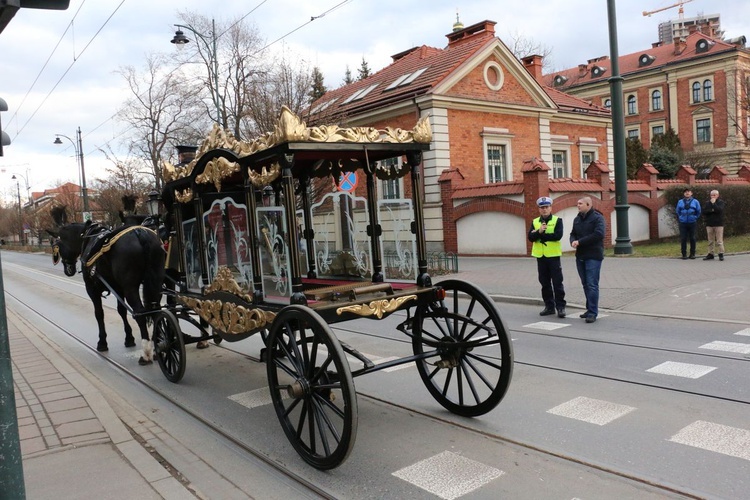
(587, 237)
(688, 210)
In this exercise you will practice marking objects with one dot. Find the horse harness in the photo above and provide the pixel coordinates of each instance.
(99, 240)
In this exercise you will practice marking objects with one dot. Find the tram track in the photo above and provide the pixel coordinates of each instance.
(318, 491)
(256, 454)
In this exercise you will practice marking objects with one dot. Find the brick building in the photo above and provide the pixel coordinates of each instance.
(698, 85)
(489, 114)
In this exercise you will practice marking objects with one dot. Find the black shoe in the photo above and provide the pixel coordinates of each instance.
(691, 257)
(590, 319)
(561, 312)
(721, 256)
(684, 257)
(584, 315)
(547, 312)
(711, 257)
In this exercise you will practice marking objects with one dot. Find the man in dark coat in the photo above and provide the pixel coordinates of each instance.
(587, 237)
(713, 213)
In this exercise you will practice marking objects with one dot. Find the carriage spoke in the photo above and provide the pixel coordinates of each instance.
(485, 361)
(481, 375)
(470, 382)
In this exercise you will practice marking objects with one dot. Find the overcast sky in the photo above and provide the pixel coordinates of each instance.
(53, 90)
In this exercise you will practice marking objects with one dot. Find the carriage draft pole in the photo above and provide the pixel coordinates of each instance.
(11, 465)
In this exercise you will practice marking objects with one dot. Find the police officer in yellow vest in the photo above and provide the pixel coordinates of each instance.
(545, 234)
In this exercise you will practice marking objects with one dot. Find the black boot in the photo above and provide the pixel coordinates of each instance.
(721, 256)
(561, 312)
(710, 257)
(547, 311)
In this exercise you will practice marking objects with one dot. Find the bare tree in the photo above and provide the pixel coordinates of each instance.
(522, 46)
(738, 104)
(163, 110)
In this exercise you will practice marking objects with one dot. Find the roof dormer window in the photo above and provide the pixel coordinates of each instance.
(360, 94)
(703, 45)
(645, 60)
(597, 71)
(559, 80)
(406, 79)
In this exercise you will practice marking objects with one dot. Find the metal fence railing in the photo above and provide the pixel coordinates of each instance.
(442, 263)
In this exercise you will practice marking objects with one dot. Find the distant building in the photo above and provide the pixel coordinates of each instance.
(698, 86)
(681, 28)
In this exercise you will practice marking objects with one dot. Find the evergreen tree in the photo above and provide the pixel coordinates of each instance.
(635, 155)
(364, 70)
(348, 76)
(318, 88)
(665, 161)
(669, 140)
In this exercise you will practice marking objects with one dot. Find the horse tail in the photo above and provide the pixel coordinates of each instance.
(153, 278)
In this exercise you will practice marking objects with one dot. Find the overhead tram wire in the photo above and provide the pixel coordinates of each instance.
(70, 24)
(69, 68)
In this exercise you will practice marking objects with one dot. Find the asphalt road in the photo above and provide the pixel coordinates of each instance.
(590, 406)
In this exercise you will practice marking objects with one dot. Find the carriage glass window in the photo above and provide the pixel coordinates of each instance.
(274, 252)
(399, 244)
(342, 246)
(225, 221)
(191, 245)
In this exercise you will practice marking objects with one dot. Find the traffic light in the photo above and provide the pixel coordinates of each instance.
(4, 138)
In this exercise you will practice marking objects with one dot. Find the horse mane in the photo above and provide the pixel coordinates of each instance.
(59, 215)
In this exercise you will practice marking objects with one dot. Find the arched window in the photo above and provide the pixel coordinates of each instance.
(697, 92)
(656, 100)
(707, 91)
(631, 105)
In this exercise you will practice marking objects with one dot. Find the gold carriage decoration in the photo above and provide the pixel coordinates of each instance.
(290, 128)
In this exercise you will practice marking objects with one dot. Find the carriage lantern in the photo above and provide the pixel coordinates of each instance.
(153, 202)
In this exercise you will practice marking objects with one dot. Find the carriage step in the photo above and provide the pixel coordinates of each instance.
(352, 351)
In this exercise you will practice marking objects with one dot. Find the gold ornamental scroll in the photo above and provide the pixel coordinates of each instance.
(232, 319)
(377, 308)
(225, 282)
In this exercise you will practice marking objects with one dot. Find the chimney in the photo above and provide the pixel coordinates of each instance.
(583, 69)
(679, 46)
(484, 29)
(534, 65)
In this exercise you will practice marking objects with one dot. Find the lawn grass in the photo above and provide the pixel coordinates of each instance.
(671, 247)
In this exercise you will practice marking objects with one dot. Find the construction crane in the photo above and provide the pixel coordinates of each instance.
(681, 11)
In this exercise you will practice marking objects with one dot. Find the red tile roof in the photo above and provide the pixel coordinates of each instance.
(485, 190)
(438, 64)
(663, 55)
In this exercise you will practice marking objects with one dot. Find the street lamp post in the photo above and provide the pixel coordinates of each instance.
(622, 241)
(20, 214)
(180, 39)
(78, 146)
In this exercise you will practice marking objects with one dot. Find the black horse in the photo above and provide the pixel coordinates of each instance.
(133, 257)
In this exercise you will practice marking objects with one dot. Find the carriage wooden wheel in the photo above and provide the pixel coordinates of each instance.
(311, 387)
(169, 345)
(474, 363)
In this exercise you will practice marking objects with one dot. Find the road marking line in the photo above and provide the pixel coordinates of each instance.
(546, 325)
(686, 370)
(745, 332)
(448, 475)
(593, 411)
(253, 399)
(719, 345)
(723, 439)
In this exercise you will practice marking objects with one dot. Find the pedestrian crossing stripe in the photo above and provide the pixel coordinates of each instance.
(686, 370)
(546, 325)
(719, 345)
(593, 411)
(719, 438)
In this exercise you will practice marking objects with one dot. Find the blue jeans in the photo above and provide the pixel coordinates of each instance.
(588, 270)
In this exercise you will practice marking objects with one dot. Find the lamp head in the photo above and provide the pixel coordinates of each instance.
(14, 177)
(57, 140)
(180, 39)
(153, 202)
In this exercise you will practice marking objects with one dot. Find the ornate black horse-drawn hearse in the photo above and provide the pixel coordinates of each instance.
(305, 227)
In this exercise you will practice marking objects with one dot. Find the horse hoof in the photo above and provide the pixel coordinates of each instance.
(102, 347)
(130, 343)
(203, 344)
(144, 362)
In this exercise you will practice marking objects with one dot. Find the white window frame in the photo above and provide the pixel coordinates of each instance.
(627, 99)
(636, 128)
(566, 163)
(696, 119)
(382, 183)
(699, 80)
(651, 99)
(497, 137)
(651, 126)
(594, 152)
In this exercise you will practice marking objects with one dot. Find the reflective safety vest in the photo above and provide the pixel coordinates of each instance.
(548, 248)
